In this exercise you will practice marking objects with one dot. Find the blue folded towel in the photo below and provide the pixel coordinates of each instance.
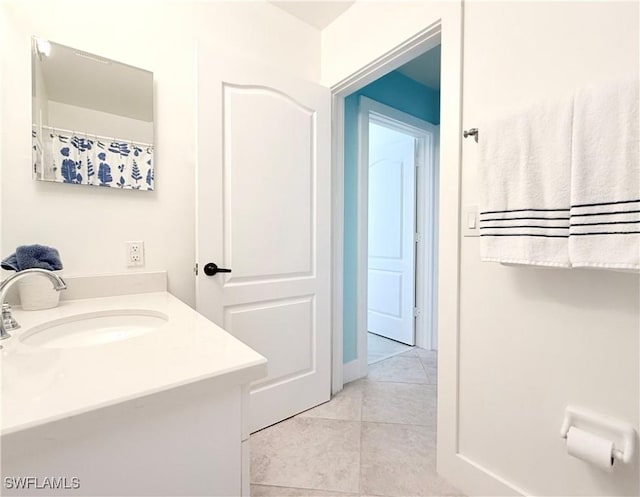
(10, 263)
(33, 256)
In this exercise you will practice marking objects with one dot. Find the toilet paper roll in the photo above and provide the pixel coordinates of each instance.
(590, 448)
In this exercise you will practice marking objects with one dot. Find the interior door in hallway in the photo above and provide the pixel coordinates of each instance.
(391, 231)
(264, 212)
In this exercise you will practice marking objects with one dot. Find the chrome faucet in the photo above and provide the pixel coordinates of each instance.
(7, 323)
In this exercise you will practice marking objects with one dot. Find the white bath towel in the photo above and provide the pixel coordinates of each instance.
(524, 178)
(605, 177)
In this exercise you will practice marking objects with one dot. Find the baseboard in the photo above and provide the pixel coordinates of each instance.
(351, 371)
(475, 480)
(492, 482)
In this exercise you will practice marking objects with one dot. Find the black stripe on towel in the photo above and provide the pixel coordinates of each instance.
(524, 210)
(604, 213)
(606, 203)
(606, 233)
(610, 222)
(524, 234)
(520, 218)
(526, 226)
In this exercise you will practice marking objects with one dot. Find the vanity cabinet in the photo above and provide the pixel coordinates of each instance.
(161, 413)
(190, 440)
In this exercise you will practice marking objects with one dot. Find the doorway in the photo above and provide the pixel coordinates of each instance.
(391, 224)
(391, 388)
(409, 108)
(398, 170)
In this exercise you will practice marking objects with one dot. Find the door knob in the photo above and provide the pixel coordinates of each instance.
(211, 269)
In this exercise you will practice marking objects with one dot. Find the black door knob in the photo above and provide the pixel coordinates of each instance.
(211, 269)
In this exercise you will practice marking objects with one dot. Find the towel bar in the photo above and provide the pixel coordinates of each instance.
(472, 132)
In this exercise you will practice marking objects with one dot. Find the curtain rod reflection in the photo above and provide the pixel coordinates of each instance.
(100, 137)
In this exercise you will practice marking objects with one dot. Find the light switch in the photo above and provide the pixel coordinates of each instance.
(470, 221)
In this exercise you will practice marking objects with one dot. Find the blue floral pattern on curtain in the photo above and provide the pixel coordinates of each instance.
(84, 160)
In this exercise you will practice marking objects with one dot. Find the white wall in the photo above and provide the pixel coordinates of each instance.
(530, 340)
(89, 225)
(534, 340)
(4, 23)
(355, 38)
(95, 122)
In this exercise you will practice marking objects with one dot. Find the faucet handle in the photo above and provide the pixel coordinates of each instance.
(9, 322)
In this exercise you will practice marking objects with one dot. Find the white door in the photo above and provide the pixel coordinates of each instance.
(264, 212)
(391, 231)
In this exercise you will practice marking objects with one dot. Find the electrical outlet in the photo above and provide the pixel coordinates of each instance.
(135, 253)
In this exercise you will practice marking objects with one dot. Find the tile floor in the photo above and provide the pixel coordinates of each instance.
(380, 348)
(375, 438)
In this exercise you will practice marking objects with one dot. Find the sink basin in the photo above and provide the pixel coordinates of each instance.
(95, 328)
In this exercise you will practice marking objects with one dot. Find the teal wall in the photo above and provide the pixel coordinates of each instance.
(409, 96)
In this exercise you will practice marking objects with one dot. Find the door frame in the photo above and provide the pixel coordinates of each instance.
(425, 192)
(445, 23)
(421, 42)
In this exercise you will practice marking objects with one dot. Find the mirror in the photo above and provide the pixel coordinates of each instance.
(92, 119)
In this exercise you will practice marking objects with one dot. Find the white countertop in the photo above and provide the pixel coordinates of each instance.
(40, 385)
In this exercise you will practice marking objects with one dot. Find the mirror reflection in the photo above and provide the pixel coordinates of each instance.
(92, 119)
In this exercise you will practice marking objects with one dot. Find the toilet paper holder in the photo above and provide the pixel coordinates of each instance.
(624, 446)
